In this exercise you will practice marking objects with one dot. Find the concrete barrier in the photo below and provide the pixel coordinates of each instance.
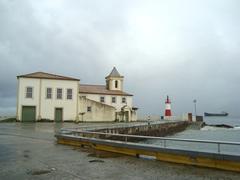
(123, 140)
(204, 159)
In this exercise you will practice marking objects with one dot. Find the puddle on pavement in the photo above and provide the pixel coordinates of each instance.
(26, 154)
(38, 172)
(96, 160)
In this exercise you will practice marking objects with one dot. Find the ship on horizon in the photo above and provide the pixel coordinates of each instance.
(216, 114)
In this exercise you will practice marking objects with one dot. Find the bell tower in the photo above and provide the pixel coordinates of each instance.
(114, 81)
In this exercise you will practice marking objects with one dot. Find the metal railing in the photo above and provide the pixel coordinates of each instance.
(136, 138)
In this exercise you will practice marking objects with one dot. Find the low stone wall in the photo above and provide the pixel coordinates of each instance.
(160, 130)
(157, 130)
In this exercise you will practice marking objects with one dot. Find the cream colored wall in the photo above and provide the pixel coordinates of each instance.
(100, 112)
(45, 108)
(69, 106)
(112, 83)
(108, 100)
(134, 116)
(22, 100)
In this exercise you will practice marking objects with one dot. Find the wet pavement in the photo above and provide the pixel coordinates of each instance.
(29, 151)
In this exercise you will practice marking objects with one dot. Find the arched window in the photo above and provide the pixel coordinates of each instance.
(116, 84)
(107, 84)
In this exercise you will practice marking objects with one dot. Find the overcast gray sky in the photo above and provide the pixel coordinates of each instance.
(188, 49)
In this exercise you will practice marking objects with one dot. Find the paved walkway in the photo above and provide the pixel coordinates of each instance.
(29, 151)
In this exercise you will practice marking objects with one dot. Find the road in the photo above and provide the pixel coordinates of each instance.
(29, 151)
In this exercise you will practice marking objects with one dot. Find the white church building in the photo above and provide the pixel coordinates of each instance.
(49, 97)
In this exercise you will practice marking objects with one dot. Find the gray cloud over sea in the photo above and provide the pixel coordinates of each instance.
(186, 49)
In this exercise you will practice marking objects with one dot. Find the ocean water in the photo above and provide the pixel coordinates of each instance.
(233, 121)
(208, 133)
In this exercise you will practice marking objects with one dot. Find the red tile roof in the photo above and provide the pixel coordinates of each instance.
(100, 89)
(43, 75)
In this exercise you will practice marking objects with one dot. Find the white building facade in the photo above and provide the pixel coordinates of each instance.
(43, 96)
(49, 97)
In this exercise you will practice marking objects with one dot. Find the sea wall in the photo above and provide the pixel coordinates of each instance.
(158, 130)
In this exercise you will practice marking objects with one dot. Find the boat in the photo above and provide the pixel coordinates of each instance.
(216, 114)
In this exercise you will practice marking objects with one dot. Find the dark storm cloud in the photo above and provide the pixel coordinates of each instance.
(187, 49)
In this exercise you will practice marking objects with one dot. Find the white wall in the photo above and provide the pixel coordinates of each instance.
(69, 106)
(99, 113)
(108, 100)
(45, 108)
(22, 100)
(112, 80)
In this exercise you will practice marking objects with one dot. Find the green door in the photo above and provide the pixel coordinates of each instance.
(28, 114)
(58, 115)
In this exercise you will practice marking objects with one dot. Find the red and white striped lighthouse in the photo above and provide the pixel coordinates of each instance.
(168, 111)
